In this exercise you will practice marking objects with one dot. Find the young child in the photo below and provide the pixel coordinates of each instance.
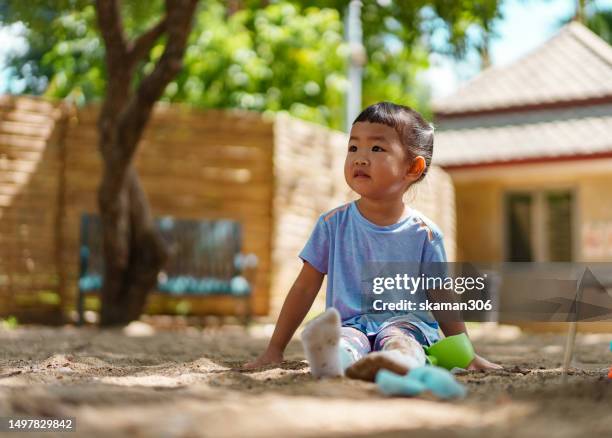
(390, 148)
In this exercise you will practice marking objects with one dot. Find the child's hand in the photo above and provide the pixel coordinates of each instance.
(269, 357)
(480, 363)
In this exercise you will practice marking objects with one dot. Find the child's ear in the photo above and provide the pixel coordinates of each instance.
(416, 168)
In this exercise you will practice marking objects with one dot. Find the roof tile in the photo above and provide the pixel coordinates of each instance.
(573, 65)
(538, 136)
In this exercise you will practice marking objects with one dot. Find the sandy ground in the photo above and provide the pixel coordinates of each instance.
(186, 383)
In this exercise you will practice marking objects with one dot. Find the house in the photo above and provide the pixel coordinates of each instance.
(529, 149)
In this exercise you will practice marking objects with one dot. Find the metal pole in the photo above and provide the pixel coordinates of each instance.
(570, 343)
(357, 59)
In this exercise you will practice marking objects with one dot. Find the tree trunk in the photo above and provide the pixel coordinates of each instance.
(133, 250)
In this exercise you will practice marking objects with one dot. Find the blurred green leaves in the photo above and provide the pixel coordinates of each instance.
(65, 52)
(262, 56)
(271, 59)
(9, 323)
(600, 22)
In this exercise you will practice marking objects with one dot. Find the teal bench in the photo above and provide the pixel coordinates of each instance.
(205, 260)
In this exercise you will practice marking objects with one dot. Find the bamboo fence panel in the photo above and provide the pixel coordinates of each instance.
(30, 162)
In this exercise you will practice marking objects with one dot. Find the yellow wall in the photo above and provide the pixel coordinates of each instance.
(478, 210)
(479, 196)
(480, 225)
(596, 223)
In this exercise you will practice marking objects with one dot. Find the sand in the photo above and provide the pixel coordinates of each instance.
(186, 382)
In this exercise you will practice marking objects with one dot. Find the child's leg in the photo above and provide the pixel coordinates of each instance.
(354, 345)
(320, 339)
(330, 348)
(395, 348)
(405, 339)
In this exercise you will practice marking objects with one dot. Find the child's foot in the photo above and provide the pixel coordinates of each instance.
(367, 367)
(320, 339)
(398, 355)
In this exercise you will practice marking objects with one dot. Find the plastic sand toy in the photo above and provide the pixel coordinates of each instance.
(435, 380)
(451, 352)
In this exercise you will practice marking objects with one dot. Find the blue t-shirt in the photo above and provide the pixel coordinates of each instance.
(344, 242)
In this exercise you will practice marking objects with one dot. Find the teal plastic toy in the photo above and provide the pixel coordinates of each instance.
(436, 380)
(451, 352)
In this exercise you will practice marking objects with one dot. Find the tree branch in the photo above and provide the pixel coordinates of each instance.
(142, 45)
(120, 77)
(179, 19)
(111, 29)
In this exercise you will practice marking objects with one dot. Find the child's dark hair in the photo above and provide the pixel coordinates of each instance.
(413, 130)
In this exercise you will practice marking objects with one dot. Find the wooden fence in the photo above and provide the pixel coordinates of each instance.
(192, 165)
(31, 132)
(274, 176)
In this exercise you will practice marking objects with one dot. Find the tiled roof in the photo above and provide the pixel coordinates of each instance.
(574, 65)
(522, 136)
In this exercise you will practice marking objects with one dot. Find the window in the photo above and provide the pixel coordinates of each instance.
(539, 226)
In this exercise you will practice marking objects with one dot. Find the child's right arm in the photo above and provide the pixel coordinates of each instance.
(296, 306)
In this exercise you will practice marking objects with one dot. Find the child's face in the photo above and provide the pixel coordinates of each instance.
(377, 165)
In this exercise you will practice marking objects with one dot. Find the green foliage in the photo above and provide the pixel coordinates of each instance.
(9, 323)
(49, 297)
(593, 16)
(276, 58)
(600, 22)
(76, 57)
(65, 55)
(415, 20)
(288, 55)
